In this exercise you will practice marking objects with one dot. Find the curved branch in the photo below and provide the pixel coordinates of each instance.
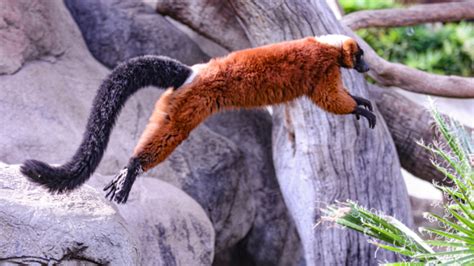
(213, 19)
(418, 14)
(393, 74)
(409, 122)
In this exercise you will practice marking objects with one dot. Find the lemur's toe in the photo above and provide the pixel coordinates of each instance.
(371, 118)
(119, 188)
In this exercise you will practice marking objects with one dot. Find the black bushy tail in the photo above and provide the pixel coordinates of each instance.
(114, 91)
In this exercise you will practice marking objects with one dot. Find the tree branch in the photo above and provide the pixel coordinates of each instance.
(393, 74)
(409, 122)
(213, 19)
(418, 14)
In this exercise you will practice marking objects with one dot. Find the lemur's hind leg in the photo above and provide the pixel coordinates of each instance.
(167, 128)
(119, 188)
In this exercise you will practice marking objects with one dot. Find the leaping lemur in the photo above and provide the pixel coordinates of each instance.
(266, 75)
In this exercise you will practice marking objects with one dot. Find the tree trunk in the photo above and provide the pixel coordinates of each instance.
(320, 157)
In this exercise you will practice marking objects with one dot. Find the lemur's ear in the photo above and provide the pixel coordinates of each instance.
(349, 48)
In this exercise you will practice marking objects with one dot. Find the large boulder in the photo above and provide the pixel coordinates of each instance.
(160, 225)
(46, 102)
(273, 239)
(116, 30)
(36, 226)
(171, 227)
(27, 34)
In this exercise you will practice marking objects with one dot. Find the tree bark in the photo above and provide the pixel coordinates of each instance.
(423, 170)
(393, 74)
(397, 17)
(409, 122)
(211, 18)
(320, 157)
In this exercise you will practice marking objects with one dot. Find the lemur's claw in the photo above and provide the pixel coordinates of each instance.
(362, 101)
(367, 114)
(119, 188)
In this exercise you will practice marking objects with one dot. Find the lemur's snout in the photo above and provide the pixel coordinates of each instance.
(362, 67)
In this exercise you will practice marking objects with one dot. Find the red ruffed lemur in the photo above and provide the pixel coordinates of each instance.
(271, 74)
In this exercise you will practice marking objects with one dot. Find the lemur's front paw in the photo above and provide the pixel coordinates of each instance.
(119, 188)
(362, 101)
(359, 111)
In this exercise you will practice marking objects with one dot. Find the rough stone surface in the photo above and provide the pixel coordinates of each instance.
(273, 239)
(26, 33)
(46, 102)
(161, 225)
(171, 227)
(37, 227)
(212, 169)
(116, 30)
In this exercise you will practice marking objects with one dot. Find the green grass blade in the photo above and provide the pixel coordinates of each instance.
(447, 235)
(465, 260)
(461, 219)
(405, 252)
(445, 253)
(453, 225)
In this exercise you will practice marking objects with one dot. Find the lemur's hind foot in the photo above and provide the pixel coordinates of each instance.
(119, 188)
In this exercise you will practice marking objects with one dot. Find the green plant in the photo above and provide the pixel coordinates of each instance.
(357, 5)
(454, 243)
(442, 49)
(438, 48)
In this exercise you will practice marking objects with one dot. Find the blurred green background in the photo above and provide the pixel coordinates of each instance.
(437, 48)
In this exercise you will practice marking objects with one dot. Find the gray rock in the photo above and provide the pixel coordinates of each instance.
(161, 225)
(37, 227)
(171, 227)
(26, 22)
(116, 30)
(46, 102)
(273, 239)
(212, 170)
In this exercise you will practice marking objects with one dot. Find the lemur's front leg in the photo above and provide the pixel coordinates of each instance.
(368, 105)
(331, 96)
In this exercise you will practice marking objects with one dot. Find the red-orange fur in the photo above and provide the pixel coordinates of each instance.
(266, 75)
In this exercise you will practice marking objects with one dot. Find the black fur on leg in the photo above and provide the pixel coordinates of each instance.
(124, 81)
(119, 188)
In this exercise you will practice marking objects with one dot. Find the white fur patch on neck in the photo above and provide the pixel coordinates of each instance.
(196, 69)
(335, 40)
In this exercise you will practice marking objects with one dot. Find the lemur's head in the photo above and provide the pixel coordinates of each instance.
(352, 56)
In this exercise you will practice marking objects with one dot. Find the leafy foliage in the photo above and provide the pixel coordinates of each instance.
(358, 5)
(456, 238)
(437, 48)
